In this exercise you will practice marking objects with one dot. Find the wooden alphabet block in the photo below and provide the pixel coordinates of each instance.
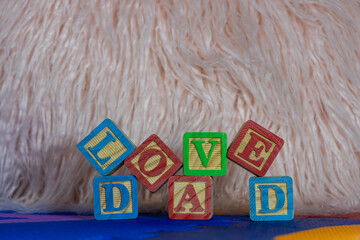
(106, 147)
(190, 197)
(153, 163)
(115, 197)
(255, 148)
(205, 154)
(271, 198)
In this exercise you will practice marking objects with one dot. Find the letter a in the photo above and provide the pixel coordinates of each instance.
(190, 196)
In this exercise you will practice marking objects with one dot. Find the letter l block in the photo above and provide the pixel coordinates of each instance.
(271, 198)
(106, 147)
(115, 197)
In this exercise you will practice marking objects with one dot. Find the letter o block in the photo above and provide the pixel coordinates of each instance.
(190, 197)
(106, 147)
(153, 163)
(255, 148)
(115, 197)
(271, 198)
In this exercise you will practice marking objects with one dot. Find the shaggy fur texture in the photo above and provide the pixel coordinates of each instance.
(168, 67)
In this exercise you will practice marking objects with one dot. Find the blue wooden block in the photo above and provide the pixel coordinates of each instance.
(271, 198)
(106, 147)
(115, 197)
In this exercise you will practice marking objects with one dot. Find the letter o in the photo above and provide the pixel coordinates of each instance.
(145, 156)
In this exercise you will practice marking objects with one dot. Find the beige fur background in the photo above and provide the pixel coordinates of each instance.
(168, 67)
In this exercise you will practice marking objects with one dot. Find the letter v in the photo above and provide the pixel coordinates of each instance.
(200, 150)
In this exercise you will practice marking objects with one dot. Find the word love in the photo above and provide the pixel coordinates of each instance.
(190, 197)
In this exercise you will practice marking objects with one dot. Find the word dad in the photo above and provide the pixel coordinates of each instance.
(190, 196)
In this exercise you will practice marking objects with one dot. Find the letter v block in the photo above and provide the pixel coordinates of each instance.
(153, 163)
(115, 197)
(205, 154)
(190, 197)
(255, 148)
(271, 198)
(106, 147)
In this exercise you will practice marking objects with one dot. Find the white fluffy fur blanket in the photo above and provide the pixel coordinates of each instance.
(168, 67)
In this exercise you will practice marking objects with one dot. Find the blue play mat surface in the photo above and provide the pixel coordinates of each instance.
(70, 226)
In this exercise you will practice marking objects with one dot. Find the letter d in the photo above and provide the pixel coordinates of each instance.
(280, 198)
(109, 195)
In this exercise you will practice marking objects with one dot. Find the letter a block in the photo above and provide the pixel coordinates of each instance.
(271, 198)
(205, 154)
(255, 148)
(153, 163)
(115, 197)
(106, 147)
(190, 197)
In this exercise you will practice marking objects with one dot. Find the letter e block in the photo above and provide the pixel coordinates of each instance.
(153, 163)
(115, 197)
(190, 197)
(205, 154)
(271, 198)
(106, 147)
(255, 148)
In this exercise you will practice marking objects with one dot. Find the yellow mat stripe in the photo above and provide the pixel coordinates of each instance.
(347, 232)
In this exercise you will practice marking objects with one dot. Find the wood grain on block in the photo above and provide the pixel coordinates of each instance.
(205, 154)
(190, 197)
(106, 147)
(271, 198)
(115, 197)
(153, 163)
(255, 148)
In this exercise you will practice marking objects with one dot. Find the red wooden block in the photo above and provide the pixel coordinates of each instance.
(190, 197)
(153, 163)
(255, 148)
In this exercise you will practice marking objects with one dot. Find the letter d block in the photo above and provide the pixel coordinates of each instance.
(271, 198)
(190, 197)
(153, 163)
(205, 154)
(106, 147)
(255, 148)
(115, 197)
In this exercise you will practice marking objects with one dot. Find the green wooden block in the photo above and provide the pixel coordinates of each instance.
(205, 154)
